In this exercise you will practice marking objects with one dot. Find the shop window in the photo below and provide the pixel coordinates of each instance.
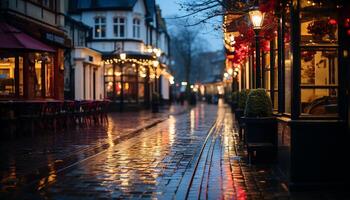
(43, 76)
(119, 26)
(130, 90)
(275, 74)
(100, 27)
(112, 76)
(9, 77)
(287, 61)
(136, 28)
(49, 78)
(141, 92)
(319, 58)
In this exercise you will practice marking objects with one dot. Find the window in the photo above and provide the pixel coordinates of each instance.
(136, 28)
(10, 83)
(43, 76)
(287, 61)
(100, 27)
(119, 25)
(113, 82)
(319, 59)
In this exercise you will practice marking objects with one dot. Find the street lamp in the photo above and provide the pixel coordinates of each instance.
(123, 56)
(257, 19)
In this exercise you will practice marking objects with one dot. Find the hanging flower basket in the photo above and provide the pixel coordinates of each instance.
(319, 29)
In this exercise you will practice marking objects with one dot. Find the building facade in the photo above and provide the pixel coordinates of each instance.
(303, 63)
(133, 43)
(83, 66)
(32, 49)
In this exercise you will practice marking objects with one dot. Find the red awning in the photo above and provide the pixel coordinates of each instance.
(12, 38)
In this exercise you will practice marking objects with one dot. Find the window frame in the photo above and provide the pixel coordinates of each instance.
(136, 27)
(102, 26)
(117, 24)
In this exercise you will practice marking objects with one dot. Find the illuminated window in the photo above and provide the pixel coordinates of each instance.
(100, 27)
(9, 77)
(319, 58)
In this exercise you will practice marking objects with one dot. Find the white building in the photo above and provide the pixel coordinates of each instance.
(127, 38)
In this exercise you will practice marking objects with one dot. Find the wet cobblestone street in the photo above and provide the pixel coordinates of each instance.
(184, 153)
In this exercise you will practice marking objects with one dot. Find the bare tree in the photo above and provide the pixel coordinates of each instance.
(205, 10)
(187, 43)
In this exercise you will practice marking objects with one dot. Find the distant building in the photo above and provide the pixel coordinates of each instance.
(133, 43)
(210, 73)
(32, 43)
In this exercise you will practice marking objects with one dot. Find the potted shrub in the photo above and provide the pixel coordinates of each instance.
(234, 101)
(239, 111)
(260, 125)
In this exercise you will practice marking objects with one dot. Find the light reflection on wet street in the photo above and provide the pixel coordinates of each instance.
(151, 164)
(159, 162)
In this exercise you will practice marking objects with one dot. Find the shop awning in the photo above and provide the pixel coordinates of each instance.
(12, 38)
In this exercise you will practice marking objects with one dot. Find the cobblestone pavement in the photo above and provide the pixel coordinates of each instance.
(26, 159)
(152, 164)
(192, 155)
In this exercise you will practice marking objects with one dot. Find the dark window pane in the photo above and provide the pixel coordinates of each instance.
(103, 31)
(97, 31)
(122, 31)
(115, 30)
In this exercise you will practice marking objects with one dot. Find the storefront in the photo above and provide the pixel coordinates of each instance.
(304, 65)
(130, 80)
(29, 68)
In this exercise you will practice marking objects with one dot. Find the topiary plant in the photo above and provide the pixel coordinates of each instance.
(242, 98)
(258, 104)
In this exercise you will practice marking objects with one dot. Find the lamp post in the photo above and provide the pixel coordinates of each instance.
(257, 19)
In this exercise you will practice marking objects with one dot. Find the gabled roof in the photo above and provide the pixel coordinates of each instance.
(150, 9)
(82, 5)
(160, 20)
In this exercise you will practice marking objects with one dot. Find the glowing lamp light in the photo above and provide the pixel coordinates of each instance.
(171, 80)
(155, 63)
(184, 83)
(257, 18)
(226, 75)
(158, 53)
(123, 56)
(230, 71)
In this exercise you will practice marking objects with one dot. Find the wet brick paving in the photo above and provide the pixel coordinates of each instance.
(157, 163)
(26, 159)
(150, 165)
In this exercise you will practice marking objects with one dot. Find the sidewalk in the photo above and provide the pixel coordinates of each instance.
(24, 160)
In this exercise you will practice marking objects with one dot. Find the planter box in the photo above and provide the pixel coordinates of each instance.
(234, 105)
(261, 138)
(312, 154)
(238, 116)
